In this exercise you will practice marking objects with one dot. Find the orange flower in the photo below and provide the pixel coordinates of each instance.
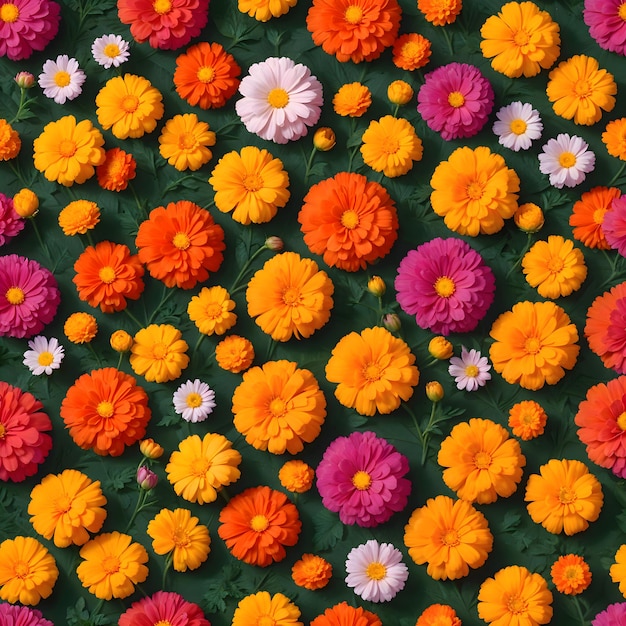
(78, 217)
(614, 138)
(212, 310)
(234, 354)
(180, 244)
(311, 572)
(411, 51)
(354, 30)
(80, 327)
(527, 419)
(352, 100)
(440, 12)
(588, 216)
(296, 476)
(118, 168)
(257, 524)
(570, 574)
(159, 353)
(10, 142)
(350, 220)
(618, 569)
(438, 615)
(343, 614)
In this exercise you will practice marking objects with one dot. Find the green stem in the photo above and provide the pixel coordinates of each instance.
(140, 205)
(132, 317)
(617, 175)
(245, 268)
(309, 164)
(521, 256)
(271, 349)
(18, 174)
(89, 239)
(143, 494)
(39, 239)
(395, 110)
(166, 569)
(98, 608)
(420, 435)
(95, 355)
(198, 343)
(119, 360)
(579, 611)
(426, 432)
(20, 106)
(448, 39)
(166, 296)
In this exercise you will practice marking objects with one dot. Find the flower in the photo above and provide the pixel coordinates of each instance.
(354, 30)
(11, 224)
(146, 478)
(251, 183)
(613, 614)
(400, 92)
(255, 609)
(455, 100)
(392, 322)
(470, 371)
(29, 296)
(257, 524)
(515, 595)
(474, 191)
(567, 160)
(570, 574)
(206, 75)
(520, 40)
(290, 297)
(376, 286)
(527, 419)
(26, 27)
(105, 410)
(10, 142)
(564, 496)
(614, 225)
(44, 356)
(579, 90)
(535, 343)
(184, 142)
(324, 139)
(311, 572)
(28, 572)
(180, 244)
(121, 340)
(24, 80)
(163, 606)
(150, 449)
(352, 100)
(606, 24)
(529, 217)
(296, 476)
(110, 51)
(614, 138)
(517, 125)
(588, 215)
(112, 565)
(264, 10)
(390, 145)
(201, 467)
(446, 284)
(411, 51)
(25, 442)
(66, 507)
(440, 12)
(194, 401)
(363, 478)
(351, 221)
(374, 370)
(164, 24)
(78, 217)
(116, 170)
(211, 310)
(178, 534)
(67, 151)
(62, 79)
(26, 203)
(281, 99)
(234, 354)
(440, 348)
(438, 615)
(450, 536)
(159, 353)
(129, 105)
(618, 569)
(376, 571)
(343, 614)
(22, 615)
(80, 327)
(482, 462)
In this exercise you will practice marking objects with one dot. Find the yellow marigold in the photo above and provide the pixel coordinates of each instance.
(10, 142)
(374, 370)
(234, 354)
(150, 449)
(474, 191)
(26, 203)
(535, 343)
(438, 615)
(311, 572)
(296, 476)
(159, 353)
(528, 217)
(400, 92)
(352, 100)
(554, 267)
(78, 217)
(260, 608)
(184, 142)
(527, 419)
(390, 145)
(521, 40)
(80, 327)
(324, 139)
(440, 12)
(440, 348)
(571, 574)
(376, 286)
(618, 569)
(482, 462)
(410, 52)
(264, 10)
(434, 391)
(614, 138)
(212, 311)
(121, 341)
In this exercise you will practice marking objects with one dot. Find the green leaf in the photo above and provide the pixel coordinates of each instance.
(118, 481)
(169, 420)
(78, 615)
(225, 587)
(328, 530)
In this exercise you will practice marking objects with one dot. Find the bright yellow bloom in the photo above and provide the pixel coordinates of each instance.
(121, 341)
(296, 476)
(26, 203)
(264, 10)
(78, 217)
(400, 92)
(434, 391)
(529, 217)
(159, 353)
(10, 142)
(440, 348)
(234, 354)
(184, 142)
(80, 327)
(212, 311)
(260, 609)
(376, 286)
(324, 139)
(352, 100)
(151, 449)
(571, 574)
(618, 569)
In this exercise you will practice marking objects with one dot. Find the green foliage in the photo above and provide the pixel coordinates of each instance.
(78, 615)
(328, 530)
(227, 588)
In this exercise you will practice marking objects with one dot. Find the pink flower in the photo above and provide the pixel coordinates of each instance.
(29, 296)
(446, 285)
(165, 24)
(163, 607)
(16, 615)
(10, 222)
(614, 225)
(455, 100)
(361, 477)
(471, 371)
(24, 443)
(613, 615)
(605, 19)
(26, 26)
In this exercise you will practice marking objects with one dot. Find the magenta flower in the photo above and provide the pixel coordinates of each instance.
(16, 615)
(446, 285)
(455, 100)
(470, 371)
(163, 607)
(10, 222)
(29, 296)
(613, 615)
(607, 25)
(361, 477)
(614, 225)
(26, 26)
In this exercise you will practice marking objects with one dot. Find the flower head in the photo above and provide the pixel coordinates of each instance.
(605, 329)
(62, 79)
(311, 572)
(605, 19)
(296, 476)
(440, 12)
(570, 574)
(110, 50)
(613, 614)
(185, 141)
(121, 340)
(234, 354)
(26, 203)
(614, 138)
(259, 607)
(22, 615)
(118, 168)
(588, 213)
(80, 327)
(529, 217)
(44, 355)
(324, 139)
(567, 159)
(194, 401)
(411, 51)
(470, 370)
(352, 100)
(440, 348)
(11, 224)
(400, 92)
(517, 126)
(159, 353)
(343, 614)
(150, 449)
(527, 419)
(24, 80)
(264, 10)
(438, 615)
(614, 224)
(212, 310)
(10, 142)
(165, 607)
(146, 478)
(78, 217)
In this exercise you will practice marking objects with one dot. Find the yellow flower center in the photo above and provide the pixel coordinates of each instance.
(350, 219)
(582, 88)
(518, 127)
(567, 159)
(527, 418)
(15, 295)
(532, 345)
(471, 371)
(63, 504)
(213, 311)
(278, 98)
(111, 50)
(450, 538)
(372, 372)
(252, 182)
(163, 622)
(187, 141)
(193, 400)
(444, 286)
(162, 6)
(199, 467)
(353, 14)
(390, 145)
(3, 431)
(111, 564)
(411, 49)
(474, 191)
(521, 38)
(159, 350)
(180, 537)
(456, 99)
(62, 78)
(129, 103)
(259, 523)
(555, 264)
(291, 296)
(566, 495)
(9, 13)
(21, 569)
(181, 241)
(598, 216)
(107, 274)
(67, 148)
(376, 571)
(516, 605)
(45, 358)
(277, 407)
(621, 420)
(573, 573)
(205, 74)
(104, 408)
(266, 620)
(482, 460)
(621, 11)
(361, 480)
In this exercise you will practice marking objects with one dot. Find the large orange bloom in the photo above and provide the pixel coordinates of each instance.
(354, 30)
(588, 216)
(350, 220)
(180, 244)
(343, 614)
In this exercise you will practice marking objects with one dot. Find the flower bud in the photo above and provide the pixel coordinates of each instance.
(121, 341)
(150, 449)
(528, 217)
(376, 286)
(400, 92)
(24, 80)
(146, 478)
(391, 322)
(274, 243)
(440, 348)
(26, 203)
(434, 391)
(324, 139)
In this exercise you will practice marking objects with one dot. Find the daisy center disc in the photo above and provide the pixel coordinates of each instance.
(63, 504)
(187, 141)
(456, 99)
(474, 191)
(598, 216)
(572, 573)
(259, 523)
(180, 538)
(353, 14)
(266, 620)
(376, 571)
(291, 296)
(411, 50)
(516, 605)
(111, 564)
(107, 274)
(162, 6)
(450, 538)
(532, 345)
(621, 11)
(372, 372)
(361, 480)
(67, 148)
(213, 311)
(621, 420)
(205, 74)
(111, 50)
(181, 241)
(482, 460)
(252, 182)
(518, 127)
(521, 38)
(277, 407)
(582, 89)
(193, 400)
(9, 13)
(159, 350)
(129, 103)
(3, 431)
(390, 145)
(566, 495)
(163, 622)
(199, 467)
(278, 98)
(45, 358)
(471, 371)
(567, 159)
(15, 295)
(21, 569)
(104, 408)
(444, 286)
(62, 78)
(555, 264)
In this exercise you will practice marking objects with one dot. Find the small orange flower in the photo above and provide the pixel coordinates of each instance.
(150, 449)
(527, 419)
(618, 569)
(588, 216)
(570, 574)
(234, 354)
(78, 217)
(118, 168)
(80, 327)
(440, 12)
(411, 51)
(296, 476)
(614, 138)
(311, 572)
(352, 100)
(438, 615)
(10, 142)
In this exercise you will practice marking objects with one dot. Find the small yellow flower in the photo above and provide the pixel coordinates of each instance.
(324, 139)
(528, 217)
(78, 217)
(376, 286)
(80, 327)
(184, 142)
(121, 341)
(400, 92)
(150, 449)
(434, 391)
(440, 348)
(26, 203)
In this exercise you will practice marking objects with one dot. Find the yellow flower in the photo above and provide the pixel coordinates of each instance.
(234, 354)
(80, 327)
(158, 353)
(150, 449)
(184, 140)
(399, 92)
(614, 138)
(440, 348)
(78, 217)
(10, 142)
(121, 341)
(324, 139)
(618, 569)
(352, 100)
(212, 310)
(296, 476)
(26, 203)
(259, 609)
(529, 217)
(376, 286)
(264, 10)
(434, 391)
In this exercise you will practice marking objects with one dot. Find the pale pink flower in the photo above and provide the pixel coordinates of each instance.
(471, 370)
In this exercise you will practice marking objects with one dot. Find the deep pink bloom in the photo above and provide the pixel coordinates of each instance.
(606, 24)
(163, 607)
(165, 24)
(361, 477)
(10, 222)
(29, 296)
(16, 615)
(614, 225)
(26, 26)
(455, 100)
(24, 443)
(446, 285)
(613, 615)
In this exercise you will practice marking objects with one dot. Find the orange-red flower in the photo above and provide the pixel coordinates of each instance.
(411, 51)
(588, 216)
(440, 12)
(570, 574)
(118, 168)
(343, 614)
(438, 615)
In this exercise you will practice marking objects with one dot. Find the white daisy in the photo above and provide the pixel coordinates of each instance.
(517, 126)
(470, 371)
(194, 401)
(376, 571)
(44, 355)
(567, 160)
(62, 79)
(110, 50)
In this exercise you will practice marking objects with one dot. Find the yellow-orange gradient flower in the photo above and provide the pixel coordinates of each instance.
(118, 168)
(571, 574)
(352, 100)
(264, 10)
(296, 476)
(527, 419)
(212, 310)
(234, 353)
(311, 572)
(588, 216)
(438, 615)
(411, 51)
(10, 142)
(618, 569)
(159, 353)
(440, 12)
(79, 217)
(184, 142)
(614, 138)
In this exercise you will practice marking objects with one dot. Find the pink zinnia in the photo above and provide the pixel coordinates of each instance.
(29, 296)
(361, 477)
(165, 24)
(163, 607)
(26, 26)
(24, 443)
(446, 285)
(16, 615)
(607, 23)
(613, 615)
(614, 225)
(10, 222)
(455, 100)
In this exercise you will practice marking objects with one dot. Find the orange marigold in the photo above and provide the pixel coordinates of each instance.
(588, 216)
(296, 476)
(438, 615)
(234, 354)
(440, 12)
(80, 327)
(527, 419)
(212, 310)
(570, 574)
(10, 142)
(118, 168)
(78, 217)
(343, 614)
(411, 51)
(352, 100)
(618, 569)
(614, 138)
(311, 572)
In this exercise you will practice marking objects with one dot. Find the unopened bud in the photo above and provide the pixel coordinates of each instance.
(528, 217)
(324, 139)
(26, 203)
(376, 286)
(150, 449)
(121, 341)
(391, 322)
(146, 478)
(440, 348)
(24, 80)
(434, 391)
(274, 243)
(400, 92)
